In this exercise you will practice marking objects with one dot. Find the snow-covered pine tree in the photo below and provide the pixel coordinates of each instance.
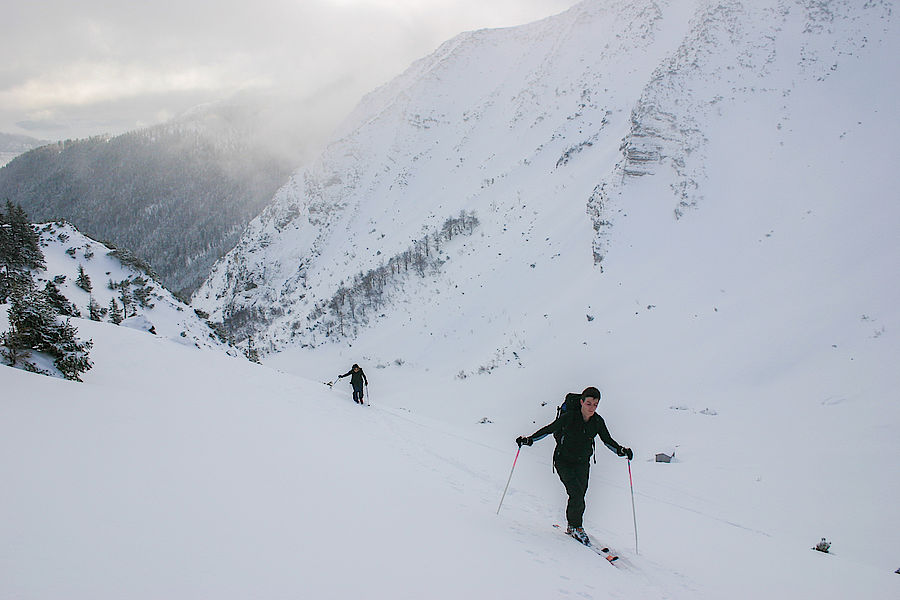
(34, 326)
(20, 249)
(115, 313)
(83, 280)
(142, 291)
(126, 298)
(70, 355)
(60, 303)
(11, 350)
(95, 311)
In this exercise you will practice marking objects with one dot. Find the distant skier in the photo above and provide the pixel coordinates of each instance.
(357, 379)
(574, 431)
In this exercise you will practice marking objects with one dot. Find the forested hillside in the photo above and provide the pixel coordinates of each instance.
(176, 195)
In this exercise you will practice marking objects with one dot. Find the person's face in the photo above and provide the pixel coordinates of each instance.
(589, 407)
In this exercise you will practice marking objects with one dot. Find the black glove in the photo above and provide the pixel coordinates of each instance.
(524, 440)
(623, 451)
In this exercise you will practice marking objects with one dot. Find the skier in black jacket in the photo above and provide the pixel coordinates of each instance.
(574, 431)
(357, 378)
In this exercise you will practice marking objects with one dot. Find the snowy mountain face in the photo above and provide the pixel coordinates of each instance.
(547, 134)
(469, 128)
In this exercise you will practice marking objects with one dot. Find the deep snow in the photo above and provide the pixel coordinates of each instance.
(180, 473)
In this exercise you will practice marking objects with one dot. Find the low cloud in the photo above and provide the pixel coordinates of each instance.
(92, 83)
(127, 64)
(42, 125)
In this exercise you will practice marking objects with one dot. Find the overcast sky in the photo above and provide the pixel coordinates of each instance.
(74, 69)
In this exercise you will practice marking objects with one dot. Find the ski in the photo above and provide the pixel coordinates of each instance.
(603, 551)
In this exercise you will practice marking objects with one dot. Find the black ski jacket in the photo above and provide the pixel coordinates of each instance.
(356, 377)
(576, 443)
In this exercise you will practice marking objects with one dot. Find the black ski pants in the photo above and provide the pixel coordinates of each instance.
(358, 393)
(574, 475)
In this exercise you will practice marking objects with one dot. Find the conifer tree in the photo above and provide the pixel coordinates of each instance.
(20, 249)
(83, 280)
(22, 244)
(115, 313)
(60, 303)
(35, 327)
(11, 348)
(142, 292)
(126, 299)
(95, 311)
(70, 355)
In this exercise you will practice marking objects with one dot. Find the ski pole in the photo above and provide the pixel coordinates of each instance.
(508, 480)
(633, 513)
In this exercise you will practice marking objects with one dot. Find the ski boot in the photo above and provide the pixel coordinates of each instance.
(579, 534)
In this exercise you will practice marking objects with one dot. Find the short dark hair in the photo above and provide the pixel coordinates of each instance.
(590, 392)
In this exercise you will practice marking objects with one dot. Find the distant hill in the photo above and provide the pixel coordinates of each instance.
(177, 195)
(12, 145)
(11, 142)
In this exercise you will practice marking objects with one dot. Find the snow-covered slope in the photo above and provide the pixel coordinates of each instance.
(183, 474)
(66, 249)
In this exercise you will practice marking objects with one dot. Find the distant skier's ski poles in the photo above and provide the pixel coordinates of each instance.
(510, 479)
(633, 513)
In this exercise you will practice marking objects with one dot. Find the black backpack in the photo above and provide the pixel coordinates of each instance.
(572, 404)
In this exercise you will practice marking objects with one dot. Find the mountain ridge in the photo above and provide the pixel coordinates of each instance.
(599, 96)
(112, 274)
